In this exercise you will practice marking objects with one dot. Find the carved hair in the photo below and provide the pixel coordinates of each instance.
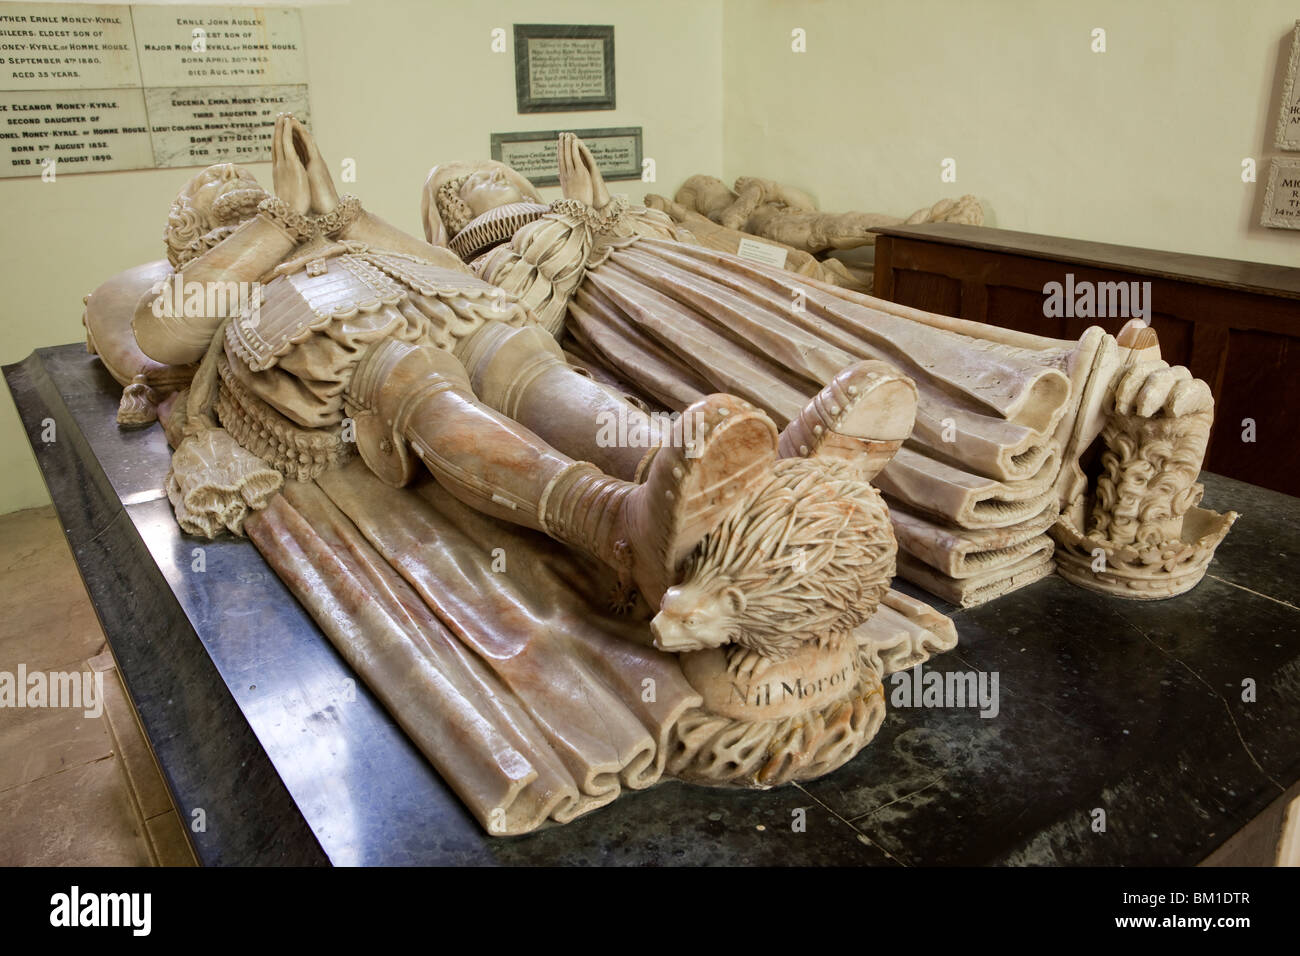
(190, 232)
(811, 553)
(442, 208)
(1148, 476)
(455, 212)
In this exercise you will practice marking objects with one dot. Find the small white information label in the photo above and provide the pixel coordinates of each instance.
(766, 253)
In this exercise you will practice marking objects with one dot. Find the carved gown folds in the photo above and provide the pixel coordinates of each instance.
(979, 482)
(514, 678)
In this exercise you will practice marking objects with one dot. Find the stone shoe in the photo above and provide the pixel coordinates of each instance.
(721, 449)
(863, 416)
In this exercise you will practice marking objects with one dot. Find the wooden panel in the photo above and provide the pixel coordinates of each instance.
(1229, 274)
(927, 290)
(882, 278)
(1022, 310)
(1220, 318)
(1209, 355)
(1259, 369)
(974, 300)
(1175, 338)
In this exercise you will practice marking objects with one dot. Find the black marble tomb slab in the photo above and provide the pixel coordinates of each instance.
(1134, 708)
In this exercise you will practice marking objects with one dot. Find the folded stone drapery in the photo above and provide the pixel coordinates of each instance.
(979, 588)
(496, 651)
(964, 552)
(523, 689)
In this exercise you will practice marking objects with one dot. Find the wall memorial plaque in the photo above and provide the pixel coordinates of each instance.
(1288, 124)
(617, 152)
(563, 68)
(1282, 197)
(93, 88)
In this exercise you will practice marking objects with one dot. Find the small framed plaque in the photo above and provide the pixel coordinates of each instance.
(617, 152)
(1288, 124)
(1282, 197)
(562, 68)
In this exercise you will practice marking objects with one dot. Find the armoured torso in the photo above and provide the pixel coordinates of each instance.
(296, 348)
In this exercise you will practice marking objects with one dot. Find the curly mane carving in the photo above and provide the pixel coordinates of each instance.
(807, 557)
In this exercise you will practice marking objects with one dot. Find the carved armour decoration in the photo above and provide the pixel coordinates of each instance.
(303, 454)
(289, 311)
(295, 306)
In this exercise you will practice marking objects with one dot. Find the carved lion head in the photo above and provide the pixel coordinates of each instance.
(807, 556)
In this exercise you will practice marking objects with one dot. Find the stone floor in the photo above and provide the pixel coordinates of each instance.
(74, 790)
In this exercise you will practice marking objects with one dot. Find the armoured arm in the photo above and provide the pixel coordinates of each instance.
(375, 232)
(162, 328)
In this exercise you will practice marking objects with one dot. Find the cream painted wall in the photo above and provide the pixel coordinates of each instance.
(1141, 145)
(397, 85)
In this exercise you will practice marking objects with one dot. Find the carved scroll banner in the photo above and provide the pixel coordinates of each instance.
(563, 68)
(1282, 197)
(617, 152)
(91, 88)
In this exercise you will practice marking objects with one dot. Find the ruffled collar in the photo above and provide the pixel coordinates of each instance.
(494, 227)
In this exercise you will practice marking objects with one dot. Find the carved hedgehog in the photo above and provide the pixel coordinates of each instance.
(807, 558)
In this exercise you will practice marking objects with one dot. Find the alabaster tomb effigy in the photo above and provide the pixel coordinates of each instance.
(994, 465)
(417, 438)
(788, 218)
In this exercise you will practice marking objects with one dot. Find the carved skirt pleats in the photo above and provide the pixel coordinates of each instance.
(996, 409)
